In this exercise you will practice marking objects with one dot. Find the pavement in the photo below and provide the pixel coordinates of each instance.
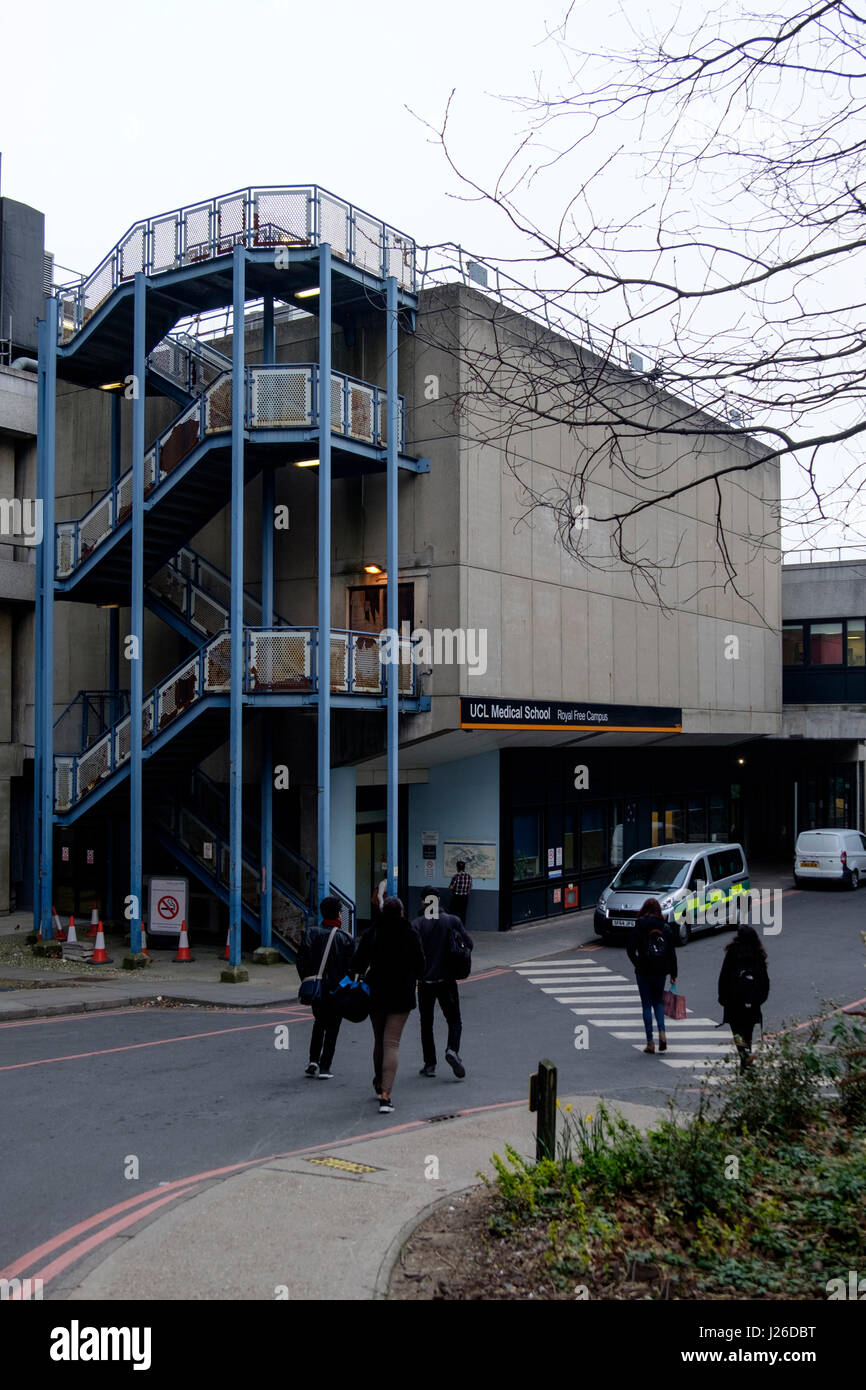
(323, 1223)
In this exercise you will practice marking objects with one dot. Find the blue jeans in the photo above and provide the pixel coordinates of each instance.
(652, 988)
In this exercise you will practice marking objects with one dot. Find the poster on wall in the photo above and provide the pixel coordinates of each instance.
(167, 905)
(478, 855)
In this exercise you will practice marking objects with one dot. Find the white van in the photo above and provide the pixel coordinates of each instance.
(686, 879)
(830, 856)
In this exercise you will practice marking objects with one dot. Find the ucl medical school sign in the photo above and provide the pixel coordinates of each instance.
(168, 905)
(567, 714)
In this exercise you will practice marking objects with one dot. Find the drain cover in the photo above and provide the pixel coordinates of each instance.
(437, 1119)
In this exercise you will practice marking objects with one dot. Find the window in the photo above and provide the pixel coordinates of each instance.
(527, 840)
(592, 838)
(825, 644)
(793, 647)
(697, 821)
(368, 607)
(855, 643)
(699, 874)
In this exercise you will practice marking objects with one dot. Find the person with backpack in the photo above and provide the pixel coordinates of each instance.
(390, 958)
(437, 930)
(326, 949)
(744, 986)
(652, 952)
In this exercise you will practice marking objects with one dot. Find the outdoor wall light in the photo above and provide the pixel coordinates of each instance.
(307, 463)
(112, 386)
(741, 761)
(373, 569)
(308, 294)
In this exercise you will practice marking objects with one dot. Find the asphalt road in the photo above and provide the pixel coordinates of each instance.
(186, 1091)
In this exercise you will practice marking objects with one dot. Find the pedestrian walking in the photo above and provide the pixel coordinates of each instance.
(744, 986)
(380, 893)
(652, 952)
(438, 985)
(390, 958)
(461, 887)
(311, 954)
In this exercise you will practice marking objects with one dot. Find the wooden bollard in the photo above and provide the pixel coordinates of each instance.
(542, 1101)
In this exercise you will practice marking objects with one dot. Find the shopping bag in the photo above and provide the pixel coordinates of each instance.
(674, 1004)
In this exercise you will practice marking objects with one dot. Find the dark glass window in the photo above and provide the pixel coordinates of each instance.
(697, 822)
(855, 643)
(592, 838)
(527, 845)
(825, 644)
(793, 646)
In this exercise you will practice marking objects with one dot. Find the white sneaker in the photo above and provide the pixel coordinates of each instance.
(326, 1076)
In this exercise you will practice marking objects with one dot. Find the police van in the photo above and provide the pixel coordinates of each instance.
(696, 885)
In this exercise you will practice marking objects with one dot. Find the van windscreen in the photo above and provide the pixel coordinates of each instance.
(643, 874)
(817, 842)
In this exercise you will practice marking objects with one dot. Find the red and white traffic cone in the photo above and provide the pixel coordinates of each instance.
(59, 933)
(183, 956)
(71, 938)
(144, 950)
(94, 921)
(100, 955)
(226, 955)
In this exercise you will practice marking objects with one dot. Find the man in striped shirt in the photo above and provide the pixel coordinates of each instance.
(461, 887)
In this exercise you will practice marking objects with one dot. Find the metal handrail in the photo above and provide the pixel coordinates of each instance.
(306, 678)
(196, 581)
(174, 239)
(823, 551)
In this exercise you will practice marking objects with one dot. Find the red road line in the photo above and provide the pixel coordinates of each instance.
(819, 1018)
(133, 1047)
(487, 974)
(181, 1186)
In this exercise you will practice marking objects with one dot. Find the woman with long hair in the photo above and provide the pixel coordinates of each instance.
(652, 952)
(391, 955)
(743, 987)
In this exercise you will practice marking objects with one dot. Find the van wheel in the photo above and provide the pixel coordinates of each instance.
(798, 882)
(684, 932)
(855, 879)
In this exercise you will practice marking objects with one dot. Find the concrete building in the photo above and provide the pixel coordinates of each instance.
(555, 721)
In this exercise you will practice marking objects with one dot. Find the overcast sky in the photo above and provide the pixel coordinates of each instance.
(115, 113)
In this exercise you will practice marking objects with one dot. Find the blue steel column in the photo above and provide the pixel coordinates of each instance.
(136, 617)
(237, 608)
(393, 590)
(269, 353)
(45, 656)
(113, 648)
(45, 565)
(324, 636)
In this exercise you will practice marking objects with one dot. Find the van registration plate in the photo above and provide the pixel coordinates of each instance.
(622, 921)
(808, 864)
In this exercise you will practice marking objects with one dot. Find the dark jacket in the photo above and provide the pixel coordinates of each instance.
(312, 949)
(652, 967)
(434, 934)
(742, 957)
(391, 954)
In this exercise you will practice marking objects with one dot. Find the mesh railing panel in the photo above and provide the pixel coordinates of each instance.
(334, 225)
(185, 562)
(178, 692)
(218, 665)
(63, 773)
(180, 439)
(338, 397)
(218, 406)
(368, 243)
(98, 287)
(216, 583)
(400, 258)
(93, 765)
(194, 836)
(66, 548)
(197, 233)
(340, 661)
(122, 740)
(68, 318)
(281, 659)
(406, 684)
(249, 886)
(231, 221)
(366, 666)
(207, 616)
(172, 587)
(95, 526)
(124, 497)
(163, 243)
(294, 873)
(288, 210)
(132, 254)
(361, 412)
(281, 396)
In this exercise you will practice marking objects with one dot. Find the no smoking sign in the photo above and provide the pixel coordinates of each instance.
(167, 900)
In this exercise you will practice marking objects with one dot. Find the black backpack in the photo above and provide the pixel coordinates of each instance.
(459, 955)
(745, 987)
(654, 947)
